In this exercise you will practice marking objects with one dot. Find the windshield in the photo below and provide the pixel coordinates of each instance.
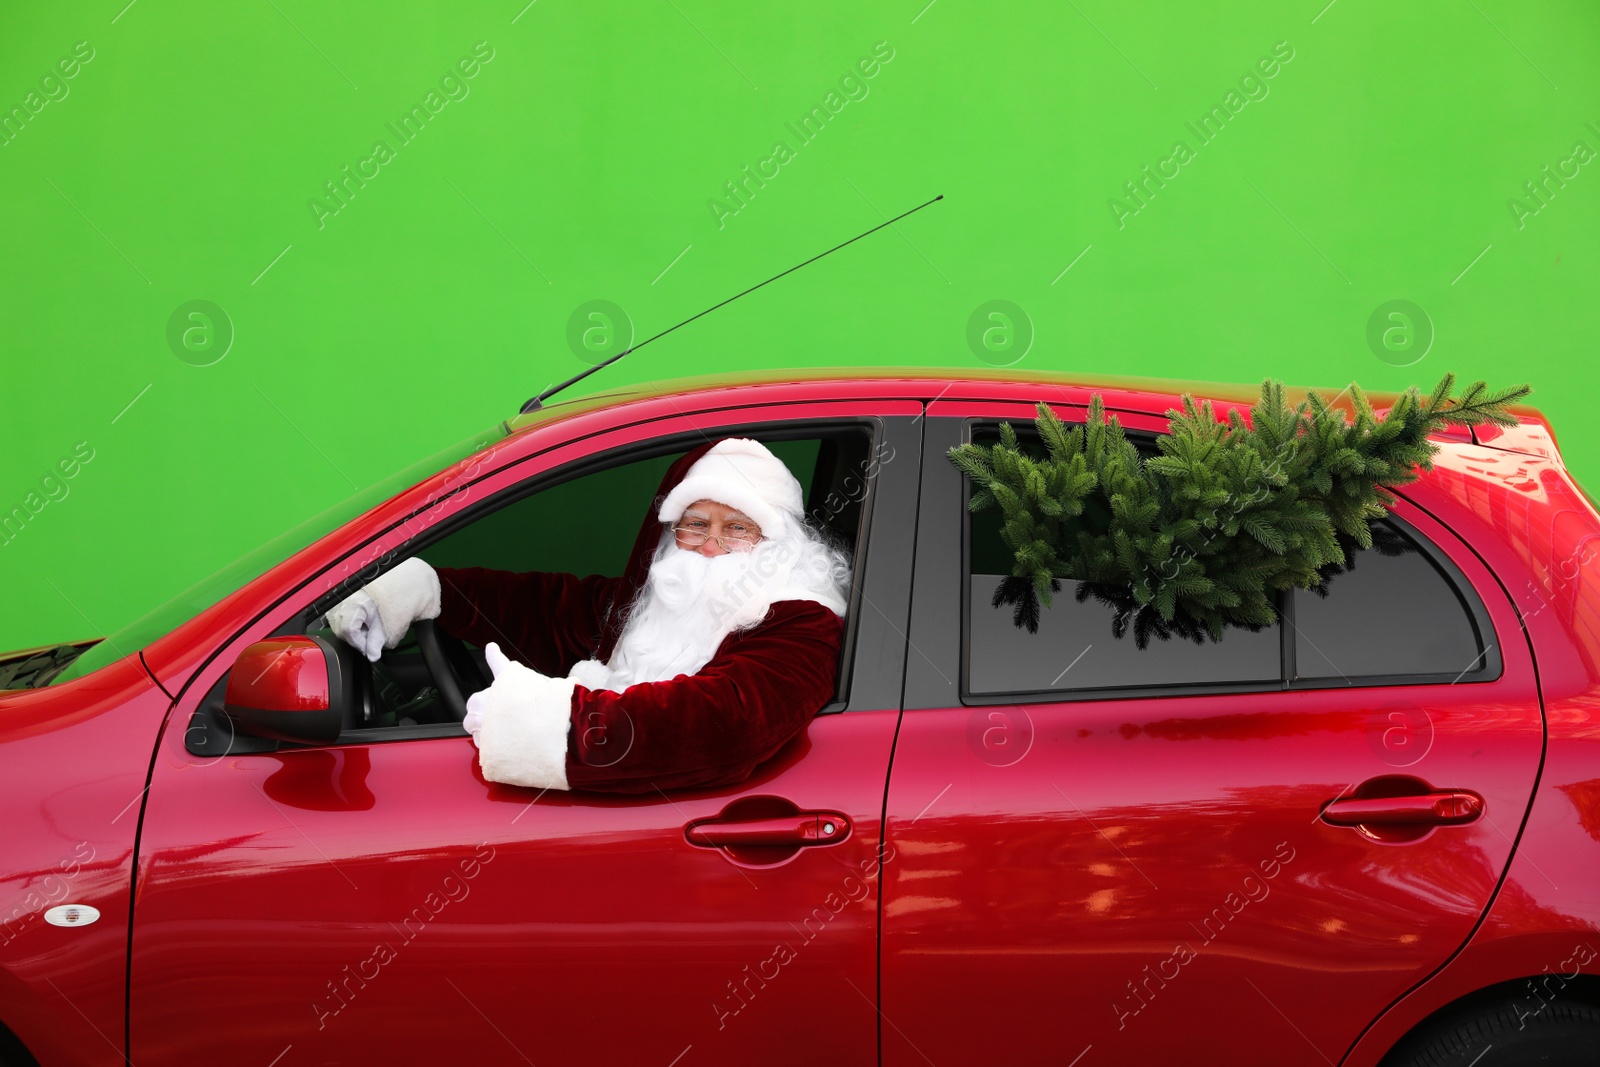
(202, 595)
(34, 667)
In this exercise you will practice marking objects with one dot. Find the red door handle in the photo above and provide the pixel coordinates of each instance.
(1444, 808)
(801, 828)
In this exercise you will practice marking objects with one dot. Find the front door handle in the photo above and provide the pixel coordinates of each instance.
(1443, 808)
(801, 828)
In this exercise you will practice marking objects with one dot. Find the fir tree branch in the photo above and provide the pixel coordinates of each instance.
(1229, 512)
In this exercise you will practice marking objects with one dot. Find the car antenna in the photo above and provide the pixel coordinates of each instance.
(535, 403)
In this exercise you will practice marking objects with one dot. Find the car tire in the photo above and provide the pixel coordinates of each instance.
(1509, 1034)
(12, 1051)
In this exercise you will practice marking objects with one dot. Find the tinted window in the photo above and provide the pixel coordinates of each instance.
(583, 526)
(1074, 648)
(1392, 612)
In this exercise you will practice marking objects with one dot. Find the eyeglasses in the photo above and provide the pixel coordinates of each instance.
(691, 538)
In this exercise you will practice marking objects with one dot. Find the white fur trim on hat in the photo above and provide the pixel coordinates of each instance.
(743, 474)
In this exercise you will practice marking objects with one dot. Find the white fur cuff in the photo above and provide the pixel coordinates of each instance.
(591, 674)
(523, 740)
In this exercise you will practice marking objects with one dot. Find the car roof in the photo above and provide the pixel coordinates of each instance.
(918, 382)
(171, 657)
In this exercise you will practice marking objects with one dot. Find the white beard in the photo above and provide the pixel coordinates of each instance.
(689, 604)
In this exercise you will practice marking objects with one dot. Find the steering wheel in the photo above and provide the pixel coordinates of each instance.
(439, 649)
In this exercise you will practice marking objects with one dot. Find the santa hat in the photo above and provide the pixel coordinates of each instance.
(739, 473)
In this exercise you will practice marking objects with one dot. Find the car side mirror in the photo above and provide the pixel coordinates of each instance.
(290, 688)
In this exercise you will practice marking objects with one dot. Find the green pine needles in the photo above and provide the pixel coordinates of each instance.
(1206, 533)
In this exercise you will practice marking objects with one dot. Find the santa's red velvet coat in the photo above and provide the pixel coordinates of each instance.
(707, 729)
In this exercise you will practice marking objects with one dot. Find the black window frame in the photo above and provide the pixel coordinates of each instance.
(1489, 670)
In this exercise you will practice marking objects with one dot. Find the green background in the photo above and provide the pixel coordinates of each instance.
(581, 164)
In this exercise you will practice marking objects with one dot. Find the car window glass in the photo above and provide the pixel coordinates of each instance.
(1393, 612)
(1074, 648)
(583, 526)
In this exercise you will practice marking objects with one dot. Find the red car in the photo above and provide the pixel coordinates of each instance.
(1366, 835)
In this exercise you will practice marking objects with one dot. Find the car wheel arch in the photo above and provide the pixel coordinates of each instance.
(13, 1053)
(1581, 989)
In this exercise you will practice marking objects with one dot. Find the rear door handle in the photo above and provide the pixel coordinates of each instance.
(801, 828)
(1443, 808)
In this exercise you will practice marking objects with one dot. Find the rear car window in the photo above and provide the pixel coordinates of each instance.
(1074, 649)
(1393, 612)
(1396, 613)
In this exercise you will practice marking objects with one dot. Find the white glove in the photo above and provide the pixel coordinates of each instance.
(520, 724)
(378, 615)
(591, 674)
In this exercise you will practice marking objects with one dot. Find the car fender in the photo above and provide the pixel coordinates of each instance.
(76, 761)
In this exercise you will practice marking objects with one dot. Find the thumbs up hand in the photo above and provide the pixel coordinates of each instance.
(520, 724)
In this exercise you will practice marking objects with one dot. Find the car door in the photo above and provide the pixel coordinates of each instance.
(1100, 854)
(376, 901)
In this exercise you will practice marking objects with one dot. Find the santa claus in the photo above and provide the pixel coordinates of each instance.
(713, 649)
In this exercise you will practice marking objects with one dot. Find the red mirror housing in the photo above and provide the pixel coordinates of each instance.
(288, 688)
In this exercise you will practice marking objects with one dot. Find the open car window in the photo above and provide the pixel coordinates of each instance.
(582, 522)
(583, 526)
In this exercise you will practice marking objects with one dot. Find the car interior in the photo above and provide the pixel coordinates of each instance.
(578, 521)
